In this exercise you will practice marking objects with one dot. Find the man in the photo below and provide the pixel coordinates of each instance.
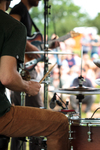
(85, 43)
(19, 121)
(94, 43)
(21, 13)
(88, 99)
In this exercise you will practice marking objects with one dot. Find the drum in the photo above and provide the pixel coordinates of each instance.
(84, 134)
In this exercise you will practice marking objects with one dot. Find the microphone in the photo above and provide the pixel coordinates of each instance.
(97, 62)
(53, 101)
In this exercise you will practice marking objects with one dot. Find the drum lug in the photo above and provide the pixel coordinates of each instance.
(89, 134)
(70, 131)
(70, 135)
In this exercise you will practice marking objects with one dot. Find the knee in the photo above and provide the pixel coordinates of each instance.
(64, 121)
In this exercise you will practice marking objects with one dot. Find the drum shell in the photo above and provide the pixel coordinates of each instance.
(80, 137)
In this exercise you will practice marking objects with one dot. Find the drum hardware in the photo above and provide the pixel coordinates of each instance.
(79, 91)
(97, 81)
(84, 134)
(80, 97)
(59, 102)
(79, 128)
(25, 75)
(95, 112)
(70, 131)
(49, 52)
(46, 14)
(23, 95)
(89, 134)
(97, 62)
(68, 112)
(89, 130)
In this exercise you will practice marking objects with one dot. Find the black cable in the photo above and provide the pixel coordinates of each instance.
(61, 99)
(95, 112)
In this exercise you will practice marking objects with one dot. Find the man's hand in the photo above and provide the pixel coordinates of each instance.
(33, 88)
(54, 44)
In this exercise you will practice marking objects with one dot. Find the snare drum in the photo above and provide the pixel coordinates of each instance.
(85, 133)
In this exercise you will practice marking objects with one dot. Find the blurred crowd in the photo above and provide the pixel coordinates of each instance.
(69, 65)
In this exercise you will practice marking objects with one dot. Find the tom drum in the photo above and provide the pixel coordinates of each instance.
(84, 134)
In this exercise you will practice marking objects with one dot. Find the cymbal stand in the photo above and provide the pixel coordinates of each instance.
(46, 7)
(80, 96)
(81, 79)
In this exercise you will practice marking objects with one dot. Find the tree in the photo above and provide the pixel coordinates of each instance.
(95, 22)
(64, 17)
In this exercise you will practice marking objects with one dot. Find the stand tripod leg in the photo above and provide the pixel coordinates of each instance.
(23, 140)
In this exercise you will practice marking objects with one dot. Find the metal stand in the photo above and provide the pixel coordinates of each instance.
(80, 97)
(46, 7)
(23, 96)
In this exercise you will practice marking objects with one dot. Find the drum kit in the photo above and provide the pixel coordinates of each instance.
(83, 133)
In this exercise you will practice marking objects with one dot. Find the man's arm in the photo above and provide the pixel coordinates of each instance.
(11, 79)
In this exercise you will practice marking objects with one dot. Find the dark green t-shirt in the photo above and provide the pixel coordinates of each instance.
(12, 43)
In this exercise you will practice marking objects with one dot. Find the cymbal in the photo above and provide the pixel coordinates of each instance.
(97, 81)
(48, 52)
(78, 90)
(97, 62)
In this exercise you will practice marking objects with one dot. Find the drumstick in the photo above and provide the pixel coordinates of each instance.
(47, 73)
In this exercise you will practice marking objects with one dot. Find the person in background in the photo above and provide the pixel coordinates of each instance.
(88, 99)
(19, 121)
(90, 74)
(94, 43)
(85, 43)
(70, 60)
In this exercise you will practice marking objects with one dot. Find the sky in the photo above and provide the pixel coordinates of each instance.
(92, 7)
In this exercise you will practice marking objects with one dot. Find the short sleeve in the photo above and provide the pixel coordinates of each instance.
(15, 42)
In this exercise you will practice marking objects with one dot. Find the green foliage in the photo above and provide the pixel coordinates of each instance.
(95, 22)
(63, 17)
